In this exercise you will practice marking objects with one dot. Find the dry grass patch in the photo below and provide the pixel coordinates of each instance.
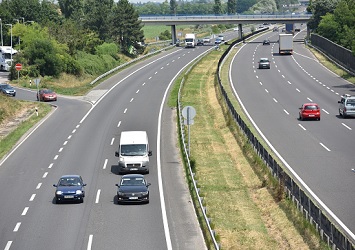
(244, 213)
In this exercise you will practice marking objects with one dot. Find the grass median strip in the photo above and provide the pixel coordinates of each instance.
(243, 210)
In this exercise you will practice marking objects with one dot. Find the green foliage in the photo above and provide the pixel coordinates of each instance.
(127, 28)
(44, 54)
(165, 35)
(320, 8)
(264, 6)
(217, 8)
(231, 7)
(96, 64)
(110, 49)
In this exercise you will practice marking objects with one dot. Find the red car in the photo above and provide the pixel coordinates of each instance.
(46, 95)
(309, 111)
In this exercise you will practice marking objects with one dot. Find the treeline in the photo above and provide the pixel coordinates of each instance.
(335, 20)
(213, 7)
(71, 36)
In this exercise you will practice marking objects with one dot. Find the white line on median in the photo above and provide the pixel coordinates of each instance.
(90, 242)
(17, 226)
(346, 126)
(302, 127)
(98, 196)
(324, 147)
(8, 245)
(105, 163)
(24, 212)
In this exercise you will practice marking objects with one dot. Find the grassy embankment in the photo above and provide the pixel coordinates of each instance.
(247, 208)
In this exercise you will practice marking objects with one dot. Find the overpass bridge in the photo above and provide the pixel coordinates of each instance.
(222, 19)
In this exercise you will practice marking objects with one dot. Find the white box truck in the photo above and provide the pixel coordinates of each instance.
(285, 44)
(133, 152)
(6, 53)
(190, 41)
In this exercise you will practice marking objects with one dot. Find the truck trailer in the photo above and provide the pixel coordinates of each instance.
(6, 57)
(286, 44)
(190, 41)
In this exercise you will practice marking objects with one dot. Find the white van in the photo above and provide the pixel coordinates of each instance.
(133, 152)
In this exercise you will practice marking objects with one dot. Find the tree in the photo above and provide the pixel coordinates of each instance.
(217, 7)
(173, 7)
(96, 16)
(126, 28)
(321, 8)
(71, 8)
(231, 7)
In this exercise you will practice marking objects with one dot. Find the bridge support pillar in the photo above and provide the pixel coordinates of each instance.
(240, 31)
(173, 34)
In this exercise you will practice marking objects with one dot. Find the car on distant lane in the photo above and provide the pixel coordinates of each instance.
(217, 41)
(347, 105)
(309, 111)
(199, 42)
(266, 42)
(70, 188)
(207, 40)
(264, 63)
(133, 188)
(46, 95)
(7, 89)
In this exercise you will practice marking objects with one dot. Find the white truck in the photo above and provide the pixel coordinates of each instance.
(133, 152)
(6, 54)
(285, 44)
(190, 41)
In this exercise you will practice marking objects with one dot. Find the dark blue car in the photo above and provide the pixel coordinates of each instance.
(70, 188)
(133, 188)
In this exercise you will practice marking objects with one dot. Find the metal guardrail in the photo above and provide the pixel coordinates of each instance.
(330, 228)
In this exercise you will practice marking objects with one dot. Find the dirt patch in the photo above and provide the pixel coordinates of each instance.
(9, 124)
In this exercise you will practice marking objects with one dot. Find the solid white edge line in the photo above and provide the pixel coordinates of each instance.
(90, 242)
(346, 126)
(160, 181)
(320, 202)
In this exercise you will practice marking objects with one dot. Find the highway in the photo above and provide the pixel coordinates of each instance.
(320, 152)
(80, 137)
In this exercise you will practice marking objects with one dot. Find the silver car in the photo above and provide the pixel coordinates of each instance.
(264, 63)
(347, 106)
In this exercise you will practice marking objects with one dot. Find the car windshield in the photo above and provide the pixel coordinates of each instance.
(134, 181)
(264, 60)
(47, 91)
(69, 181)
(133, 150)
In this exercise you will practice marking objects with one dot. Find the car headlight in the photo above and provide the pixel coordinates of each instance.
(78, 192)
(120, 193)
(145, 193)
(59, 192)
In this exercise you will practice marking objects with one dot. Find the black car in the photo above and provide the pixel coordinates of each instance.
(199, 42)
(7, 89)
(266, 42)
(133, 188)
(70, 188)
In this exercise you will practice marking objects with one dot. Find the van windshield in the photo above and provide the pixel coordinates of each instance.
(134, 150)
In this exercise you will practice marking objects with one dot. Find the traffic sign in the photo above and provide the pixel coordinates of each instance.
(18, 66)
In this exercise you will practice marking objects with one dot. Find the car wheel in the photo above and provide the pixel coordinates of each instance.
(82, 200)
(57, 201)
(300, 117)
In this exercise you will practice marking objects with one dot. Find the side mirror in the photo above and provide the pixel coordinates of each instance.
(148, 184)
(84, 184)
(150, 153)
(54, 185)
(117, 185)
(117, 154)
(339, 101)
